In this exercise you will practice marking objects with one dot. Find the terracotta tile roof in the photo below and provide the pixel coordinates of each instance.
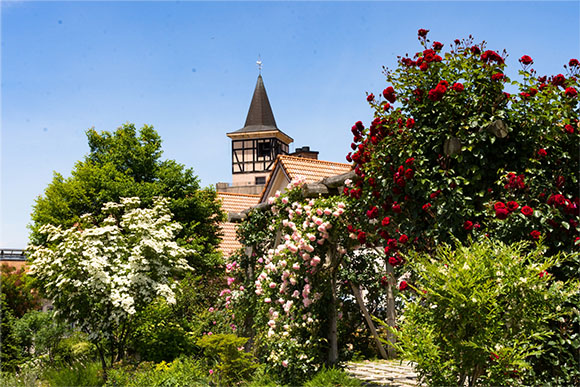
(311, 169)
(233, 202)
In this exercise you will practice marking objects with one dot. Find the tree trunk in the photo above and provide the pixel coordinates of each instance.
(332, 330)
(368, 319)
(103, 361)
(391, 316)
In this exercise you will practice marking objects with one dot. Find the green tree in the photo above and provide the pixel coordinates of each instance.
(99, 275)
(127, 163)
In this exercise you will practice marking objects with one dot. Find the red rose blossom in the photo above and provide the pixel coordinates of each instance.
(410, 161)
(437, 46)
(526, 60)
(542, 152)
(498, 205)
(362, 237)
(512, 206)
(501, 213)
(535, 234)
(573, 63)
(373, 212)
(410, 123)
(409, 173)
(571, 92)
(426, 206)
(468, 225)
(569, 129)
(458, 86)
(396, 208)
(422, 33)
(403, 285)
(497, 76)
(527, 211)
(370, 97)
(491, 56)
(558, 80)
(403, 238)
(389, 94)
(386, 220)
(475, 50)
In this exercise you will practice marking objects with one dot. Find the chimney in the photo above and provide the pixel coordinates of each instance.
(305, 152)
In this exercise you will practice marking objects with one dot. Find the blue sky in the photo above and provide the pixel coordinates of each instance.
(188, 68)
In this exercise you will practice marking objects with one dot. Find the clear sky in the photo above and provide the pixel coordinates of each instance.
(188, 68)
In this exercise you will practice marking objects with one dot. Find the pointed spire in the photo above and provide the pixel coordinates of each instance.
(260, 116)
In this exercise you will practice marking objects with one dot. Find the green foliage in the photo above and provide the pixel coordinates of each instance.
(330, 377)
(159, 336)
(482, 313)
(232, 363)
(17, 288)
(39, 333)
(127, 163)
(75, 348)
(262, 378)
(9, 350)
(182, 372)
(76, 374)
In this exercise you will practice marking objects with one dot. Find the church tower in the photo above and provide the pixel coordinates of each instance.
(256, 145)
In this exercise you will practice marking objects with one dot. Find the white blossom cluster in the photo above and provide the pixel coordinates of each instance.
(99, 275)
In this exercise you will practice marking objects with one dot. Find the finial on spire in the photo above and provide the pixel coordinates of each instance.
(259, 63)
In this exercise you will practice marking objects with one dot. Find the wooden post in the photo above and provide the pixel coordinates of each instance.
(332, 330)
(391, 316)
(368, 319)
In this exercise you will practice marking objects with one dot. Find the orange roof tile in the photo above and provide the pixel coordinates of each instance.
(236, 202)
(233, 202)
(311, 169)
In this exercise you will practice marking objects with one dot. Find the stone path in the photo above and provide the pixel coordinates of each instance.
(383, 373)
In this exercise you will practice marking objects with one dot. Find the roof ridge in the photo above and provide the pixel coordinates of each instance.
(235, 194)
(312, 160)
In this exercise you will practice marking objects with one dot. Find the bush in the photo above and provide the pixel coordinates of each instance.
(16, 286)
(9, 349)
(77, 374)
(159, 335)
(481, 313)
(181, 372)
(232, 364)
(38, 333)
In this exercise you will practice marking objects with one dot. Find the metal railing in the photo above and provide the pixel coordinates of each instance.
(12, 255)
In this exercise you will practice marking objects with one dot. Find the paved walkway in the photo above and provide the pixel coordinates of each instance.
(383, 373)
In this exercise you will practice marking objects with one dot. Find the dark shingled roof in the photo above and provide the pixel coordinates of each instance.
(260, 116)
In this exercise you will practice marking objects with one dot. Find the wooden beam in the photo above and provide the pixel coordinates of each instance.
(312, 190)
(338, 180)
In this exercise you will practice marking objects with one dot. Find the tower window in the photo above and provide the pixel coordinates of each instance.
(264, 149)
(260, 180)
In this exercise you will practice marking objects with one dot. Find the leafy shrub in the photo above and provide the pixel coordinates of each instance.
(232, 364)
(332, 377)
(16, 285)
(77, 374)
(159, 336)
(9, 350)
(39, 333)
(481, 313)
(75, 348)
(181, 372)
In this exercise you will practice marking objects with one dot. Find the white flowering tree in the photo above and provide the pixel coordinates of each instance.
(99, 273)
